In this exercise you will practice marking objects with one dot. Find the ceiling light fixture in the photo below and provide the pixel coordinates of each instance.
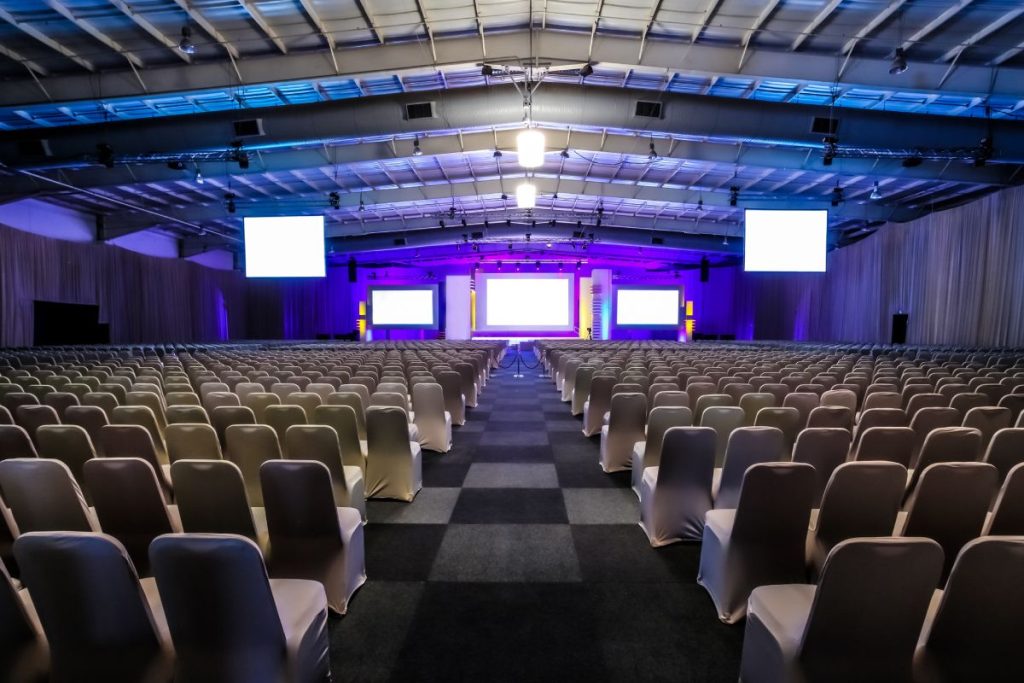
(199, 176)
(875, 194)
(334, 199)
(653, 154)
(530, 146)
(734, 195)
(486, 70)
(185, 44)
(416, 151)
(230, 197)
(526, 196)
(899, 62)
(586, 70)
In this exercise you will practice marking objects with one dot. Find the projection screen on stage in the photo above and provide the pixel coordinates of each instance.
(538, 302)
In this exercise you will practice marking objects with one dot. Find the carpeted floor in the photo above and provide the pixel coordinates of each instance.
(520, 560)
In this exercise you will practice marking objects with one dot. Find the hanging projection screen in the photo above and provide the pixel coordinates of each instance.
(404, 306)
(647, 307)
(284, 246)
(539, 302)
(785, 241)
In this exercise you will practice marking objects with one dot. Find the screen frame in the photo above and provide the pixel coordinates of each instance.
(482, 280)
(435, 290)
(824, 266)
(245, 248)
(646, 288)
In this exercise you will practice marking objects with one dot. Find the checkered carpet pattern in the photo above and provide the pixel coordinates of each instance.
(520, 560)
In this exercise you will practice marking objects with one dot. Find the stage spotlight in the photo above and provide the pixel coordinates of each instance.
(185, 44)
(530, 146)
(199, 176)
(586, 70)
(653, 154)
(486, 70)
(527, 237)
(564, 153)
(176, 165)
(899, 62)
(526, 196)
(499, 265)
(442, 224)
(334, 199)
(416, 151)
(875, 194)
(837, 196)
(536, 265)
(230, 197)
(579, 264)
(497, 154)
(734, 195)
(549, 245)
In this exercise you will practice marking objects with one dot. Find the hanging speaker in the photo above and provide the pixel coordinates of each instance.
(705, 270)
(351, 270)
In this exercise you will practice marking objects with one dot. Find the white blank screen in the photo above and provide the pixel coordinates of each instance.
(527, 303)
(284, 246)
(402, 307)
(647, 307)
(785, 241)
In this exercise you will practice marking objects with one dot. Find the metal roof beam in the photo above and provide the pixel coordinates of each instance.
(817, 21)
(152, 30)
(88, 27)
(263, 24)
(982, 33)
(24, 61)
(46, 40)
(706, 60)
(209, 28)
(709, 12)
(873, 25)
(935, 24)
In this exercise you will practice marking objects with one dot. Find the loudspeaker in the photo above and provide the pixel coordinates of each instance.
(351, 270)
(705, 272)
(899, 328)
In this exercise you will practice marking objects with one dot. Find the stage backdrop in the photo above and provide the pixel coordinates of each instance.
(144, 298)
(959, 274)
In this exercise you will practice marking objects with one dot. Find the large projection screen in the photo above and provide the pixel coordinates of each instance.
(647, 307)
(785, 241)
(284, 246)
(539, 302)
(404, 306)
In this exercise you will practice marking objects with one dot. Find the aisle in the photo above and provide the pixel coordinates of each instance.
(521, 560)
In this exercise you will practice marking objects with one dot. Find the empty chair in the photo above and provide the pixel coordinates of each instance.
(343, 420)
(598, 403)
(281, 417)
(15, 442)
(310, 538)
(746, 447)
(1015, 404)
(675, 494)
(182, 398)
(12, 400)
(804, 402)
(882, 399)
(974, 634)
(751, 403)
(671, 399)
(861, 623)
(454, 400)
(31, 417)
(946, 444)
(306, 400)
(5, 416)
(68, 443)
(100, 621)
(143, 417)
(963, 402)
(24, 656)
(626, 422)
(647, 453)
(129, 504)
(259, 402)
(249, 446)
(987, 420)
(133, 441)
(861, 499)
(320, 443)
(1005, 450)
(568, 378)
(60, 400)
(89, 418)
(761, 542)
(927, 419)
(432, 420)
(949, 505)
(101, 399)
(892, 444)
(225, 416)
(150, 400)
(186, 414)
(785, 419)
(211, 499)
(840, 397)
(210, 387)
(708, 401)
(192, 442)
(924, 400)
(825, 449)
(43, 496)
(243, 389)
(581, 388)
(836, 417)
(1007, 516)
(394, 467)
(724, 420)
(469, 387)
(216, 399)
(229, 622)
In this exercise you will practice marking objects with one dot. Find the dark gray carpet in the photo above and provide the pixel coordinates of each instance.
(522, 561)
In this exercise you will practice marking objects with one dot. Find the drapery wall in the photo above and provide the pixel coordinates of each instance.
(959, 274)
(145, 299)
(301, 308)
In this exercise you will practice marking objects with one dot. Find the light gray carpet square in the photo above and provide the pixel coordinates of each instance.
(601, 506)
(502, 553)
(511, 475)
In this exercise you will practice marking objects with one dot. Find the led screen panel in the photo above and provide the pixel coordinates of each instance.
(398, 306)
(647, 307)
(785, 241)
(541, 302)
(284, 246)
